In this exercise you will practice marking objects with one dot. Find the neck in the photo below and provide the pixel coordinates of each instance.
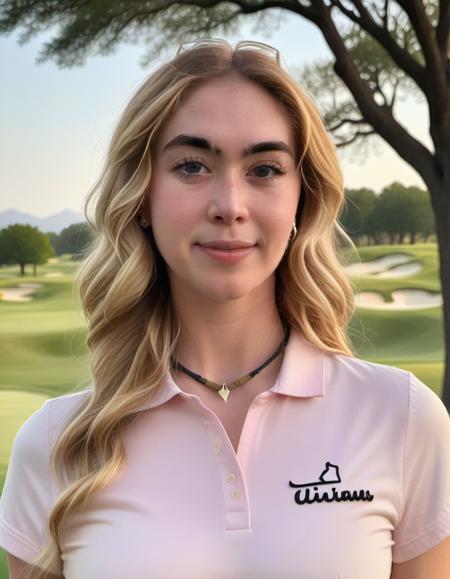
(224, 347)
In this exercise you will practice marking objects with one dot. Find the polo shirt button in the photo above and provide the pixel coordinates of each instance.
(231, 477)
(235, 495)
(217, 445)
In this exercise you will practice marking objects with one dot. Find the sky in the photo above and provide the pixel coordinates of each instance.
(56, 123)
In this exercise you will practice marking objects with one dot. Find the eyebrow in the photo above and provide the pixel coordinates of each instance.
(202, 143)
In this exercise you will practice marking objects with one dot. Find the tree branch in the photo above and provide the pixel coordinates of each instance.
(250, 8)
(384, 17)
(344, 121)
(379, 117)
(415, 10)
(354, 137)
(398, 54)
(379, 90)
(443, 29)
(394, 94)
(436, 70)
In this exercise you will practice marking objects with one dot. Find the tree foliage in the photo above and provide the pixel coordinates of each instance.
(22, 244)
(74, 239)
(360, 203)
(398, 212)
(401, 211)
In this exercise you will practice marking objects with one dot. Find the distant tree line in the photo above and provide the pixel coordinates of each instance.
(73, 239)
(24, 244)
(398, 214)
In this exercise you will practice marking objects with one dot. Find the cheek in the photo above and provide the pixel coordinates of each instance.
(168, 203)
(173, 218)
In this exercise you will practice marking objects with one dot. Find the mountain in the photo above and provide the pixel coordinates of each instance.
(56, 222)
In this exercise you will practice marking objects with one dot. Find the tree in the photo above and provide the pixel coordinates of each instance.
(398, 211)
(380, 47)
(419, 214)
(74, 239)
(53, 238)
(355, 216)
(24, 244)
(391, 212)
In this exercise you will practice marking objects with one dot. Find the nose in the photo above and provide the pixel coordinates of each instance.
(229, 200)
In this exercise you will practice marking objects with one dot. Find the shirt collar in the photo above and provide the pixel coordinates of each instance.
(302, 374)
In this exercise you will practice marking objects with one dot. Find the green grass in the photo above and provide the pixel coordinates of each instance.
(409, 339)
(43, 350)
(3, 565)
(423, 253)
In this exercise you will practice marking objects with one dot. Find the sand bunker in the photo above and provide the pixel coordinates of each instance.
(18, 294)
(379, 267)
(53, 274)
(400, 271)
(406, 299)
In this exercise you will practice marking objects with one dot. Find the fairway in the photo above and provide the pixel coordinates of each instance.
(410, 339)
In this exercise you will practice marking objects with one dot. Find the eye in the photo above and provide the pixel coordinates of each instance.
(272, 167)
(185, 167)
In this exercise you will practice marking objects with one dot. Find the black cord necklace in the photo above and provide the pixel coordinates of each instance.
(224, 389)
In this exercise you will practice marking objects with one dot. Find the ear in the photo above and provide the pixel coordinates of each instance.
(143, 212)
(300, 206)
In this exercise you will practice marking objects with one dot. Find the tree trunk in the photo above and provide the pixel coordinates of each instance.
(412, 239)
(34, 269)
(22, 269)
(441, 204)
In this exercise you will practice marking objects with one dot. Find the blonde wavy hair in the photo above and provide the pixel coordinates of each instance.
(123, 283)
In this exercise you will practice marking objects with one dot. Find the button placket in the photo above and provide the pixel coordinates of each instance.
(217, 445)
(237, 507)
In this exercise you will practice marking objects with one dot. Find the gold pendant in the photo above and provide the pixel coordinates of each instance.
(224, 392)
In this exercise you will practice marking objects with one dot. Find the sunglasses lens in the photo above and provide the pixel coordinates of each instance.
(199, 43)
(260, 47)
(244, 44)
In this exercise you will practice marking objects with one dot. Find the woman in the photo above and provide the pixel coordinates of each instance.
(230, 432)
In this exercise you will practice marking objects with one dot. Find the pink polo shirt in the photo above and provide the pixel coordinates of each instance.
(343, 467)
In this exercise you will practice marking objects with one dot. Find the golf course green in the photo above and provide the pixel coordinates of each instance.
(43, 352)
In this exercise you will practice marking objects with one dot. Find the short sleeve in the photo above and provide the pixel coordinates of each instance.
(25, 502)
(425, 517)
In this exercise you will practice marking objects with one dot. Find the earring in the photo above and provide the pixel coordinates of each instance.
(143, 222)
(294, 229)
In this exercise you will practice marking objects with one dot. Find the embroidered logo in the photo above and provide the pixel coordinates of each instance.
(329, 476)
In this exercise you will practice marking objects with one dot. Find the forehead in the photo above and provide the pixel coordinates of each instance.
(227, 108)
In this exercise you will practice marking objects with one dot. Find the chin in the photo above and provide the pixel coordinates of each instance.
(225, 295)
(228, 290)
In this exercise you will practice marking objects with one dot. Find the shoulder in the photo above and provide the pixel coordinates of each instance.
(387, 388)
(36, 433)
(30, 489)
(64, 406)
(364, 376)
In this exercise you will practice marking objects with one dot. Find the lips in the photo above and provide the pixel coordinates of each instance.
(227, 256)
(227, 245)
